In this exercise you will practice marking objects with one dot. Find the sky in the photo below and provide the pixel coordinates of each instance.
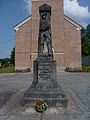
(14, 11)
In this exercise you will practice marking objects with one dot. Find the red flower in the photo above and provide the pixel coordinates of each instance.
(38, 103)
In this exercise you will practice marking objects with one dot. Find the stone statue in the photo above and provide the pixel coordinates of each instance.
(45, 38)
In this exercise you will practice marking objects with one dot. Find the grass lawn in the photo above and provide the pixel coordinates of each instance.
(85, 67)
(7, 69)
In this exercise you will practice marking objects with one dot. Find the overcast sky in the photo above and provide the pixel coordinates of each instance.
(14, 11)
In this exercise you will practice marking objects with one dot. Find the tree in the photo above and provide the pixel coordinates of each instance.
(85, 50)
(5, 61)
(12, 57)
(89, 48)
(88, 36)
(88, 32)
(83, 31)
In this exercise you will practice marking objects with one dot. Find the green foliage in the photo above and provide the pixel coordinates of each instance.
(89, 48)
(88, 32)
(83, 31)
(12, 57)
(7, 69)
(4, 61)
(85, 50)
(86, 40)
(88, 36)
(86, 67)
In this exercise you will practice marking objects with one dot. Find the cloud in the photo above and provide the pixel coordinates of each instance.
(28, 6)
(72, 9)
(79, 13)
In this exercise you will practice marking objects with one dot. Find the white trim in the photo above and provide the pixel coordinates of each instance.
(62, 53)
(21, 68)
(59, 53)
(33, 53)
(53, 50)
(17, 26)
(17, 29)
(36, 0)
(72, 22)
(78, 29)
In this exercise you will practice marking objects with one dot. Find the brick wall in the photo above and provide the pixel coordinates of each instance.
(23, 46)
(72, 45)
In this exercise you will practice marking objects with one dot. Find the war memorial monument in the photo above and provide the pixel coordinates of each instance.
(44, 85)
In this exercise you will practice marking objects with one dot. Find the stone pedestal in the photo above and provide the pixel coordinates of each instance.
(45, 86)
(45, 72)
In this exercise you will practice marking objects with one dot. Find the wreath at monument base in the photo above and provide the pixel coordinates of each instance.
(40, 106)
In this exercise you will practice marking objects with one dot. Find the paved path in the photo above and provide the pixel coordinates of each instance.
(75, 85)
(78, 85)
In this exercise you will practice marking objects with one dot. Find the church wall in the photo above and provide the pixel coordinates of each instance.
(66, 38)
(23, 37)
(72, 45)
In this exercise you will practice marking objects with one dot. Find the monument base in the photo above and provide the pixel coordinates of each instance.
(53, 96)
(45, 86)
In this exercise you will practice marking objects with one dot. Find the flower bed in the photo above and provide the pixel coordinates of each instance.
(84, 69)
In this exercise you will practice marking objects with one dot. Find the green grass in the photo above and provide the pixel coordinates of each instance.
(85, 67)
(7, 69)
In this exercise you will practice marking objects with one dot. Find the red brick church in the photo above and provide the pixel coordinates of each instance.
(66, 38)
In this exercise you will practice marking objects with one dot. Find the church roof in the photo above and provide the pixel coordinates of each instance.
(72, 21)
(65, 17)
(22, 22)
